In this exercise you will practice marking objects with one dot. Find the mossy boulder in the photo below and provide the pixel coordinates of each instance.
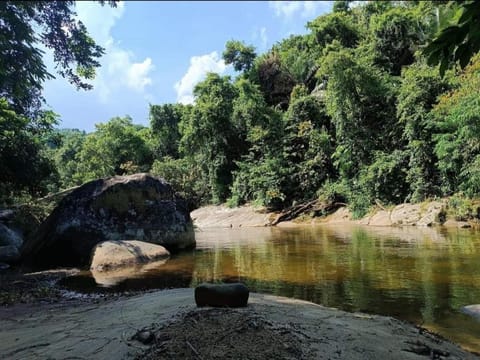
(140, 206)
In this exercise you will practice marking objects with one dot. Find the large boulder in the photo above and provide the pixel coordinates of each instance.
(138, 206)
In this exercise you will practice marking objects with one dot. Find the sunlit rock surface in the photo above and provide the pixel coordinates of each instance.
(138, 206)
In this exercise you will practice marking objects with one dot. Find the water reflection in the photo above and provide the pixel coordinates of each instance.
(114, 276)
(423, 275)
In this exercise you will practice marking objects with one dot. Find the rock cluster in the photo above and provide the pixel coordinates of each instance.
(139, 206)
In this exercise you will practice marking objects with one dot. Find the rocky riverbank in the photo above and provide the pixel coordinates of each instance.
(432, 213)
(290, 328)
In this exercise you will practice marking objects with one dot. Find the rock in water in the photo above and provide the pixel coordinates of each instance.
(138, 206)
(110, 255)
(222, 295)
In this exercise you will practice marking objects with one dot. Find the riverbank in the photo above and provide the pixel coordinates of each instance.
(426, 214)
(107, 330)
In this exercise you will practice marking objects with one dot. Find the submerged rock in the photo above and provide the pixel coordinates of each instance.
(109, 255)
(222, 295)
(138, 206)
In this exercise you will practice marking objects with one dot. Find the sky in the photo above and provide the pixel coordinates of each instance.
(155, 52)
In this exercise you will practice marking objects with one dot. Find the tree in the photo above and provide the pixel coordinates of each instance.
(164, 120)
(340, 5)
(65, 156)
(276, 82)
(299, 54)
(23, 165)
(395, 39)
(307, 146)
(239, 54)
(208, 131)
(23, 70)
(335, 26)
(361, 102)
(458, 42)
(117, 147)
(457, 142)
(420, 88)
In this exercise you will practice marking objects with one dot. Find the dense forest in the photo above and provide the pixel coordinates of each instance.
(379, 102)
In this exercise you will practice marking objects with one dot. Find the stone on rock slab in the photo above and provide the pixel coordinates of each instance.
(222, 295)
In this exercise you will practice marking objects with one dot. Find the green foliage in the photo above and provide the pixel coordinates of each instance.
(23, 164)
(117, 147)
(340, 5)
(209, 133)
(186, 178)
(458, 42)
(239, 54)
(463, 208)
(308, 147)
(65, 157)
(385, 178)
(260, 181)
(395, 39)
(164, 123)
(276, 82)
(298, 55)
(349, 112)
(361, 102)
(418, 94)
(457, 143)
(23, 71)
(337, 26)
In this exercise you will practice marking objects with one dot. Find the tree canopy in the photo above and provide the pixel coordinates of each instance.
(376, 103)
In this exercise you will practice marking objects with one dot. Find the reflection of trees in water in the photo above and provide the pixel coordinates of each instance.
(412, 273)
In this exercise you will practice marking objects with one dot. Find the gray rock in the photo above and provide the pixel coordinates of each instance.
(9, 254)
(4, 266)
(138, 206)
(406, 214)
(9, 236)
(222, 295)
(472, 310)
(144, 336)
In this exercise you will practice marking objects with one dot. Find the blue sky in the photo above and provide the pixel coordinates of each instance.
(157, 51)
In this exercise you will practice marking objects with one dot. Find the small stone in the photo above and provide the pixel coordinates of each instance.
(4, 266)
(144, 336)
(222, 295)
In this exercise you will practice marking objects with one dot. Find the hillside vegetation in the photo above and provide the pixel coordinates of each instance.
(377, 103)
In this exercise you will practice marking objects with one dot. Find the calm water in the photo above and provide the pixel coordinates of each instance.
(422, 275)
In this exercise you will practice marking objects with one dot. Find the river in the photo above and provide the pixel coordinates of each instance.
(421, 275)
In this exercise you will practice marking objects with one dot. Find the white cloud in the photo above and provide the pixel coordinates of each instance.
(119, 69)
(199, 67)
(304, 9)
(260, 37)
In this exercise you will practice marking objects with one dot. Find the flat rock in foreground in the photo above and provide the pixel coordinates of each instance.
(105, 330)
